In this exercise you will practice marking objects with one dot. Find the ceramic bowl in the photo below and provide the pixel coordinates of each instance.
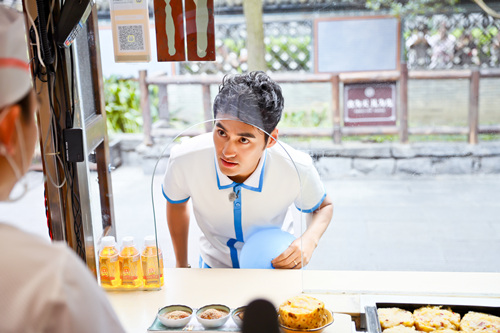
(213, 323)
(175, 323)
(329, 321)
(237, 315)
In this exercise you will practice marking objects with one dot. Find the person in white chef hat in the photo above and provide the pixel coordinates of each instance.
(44, 287)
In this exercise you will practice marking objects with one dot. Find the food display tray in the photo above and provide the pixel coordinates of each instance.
(373, 323)
(194, 326)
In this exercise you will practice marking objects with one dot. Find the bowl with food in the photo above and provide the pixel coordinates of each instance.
(237, 315)
(213, 315)
(175, 316)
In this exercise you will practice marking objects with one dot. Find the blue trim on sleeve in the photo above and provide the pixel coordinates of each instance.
(173, 201)
(315, 207)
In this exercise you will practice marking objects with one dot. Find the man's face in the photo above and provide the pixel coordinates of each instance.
(239, 147)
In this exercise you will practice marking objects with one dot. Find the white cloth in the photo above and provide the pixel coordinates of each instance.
(15, 78)
(263, 198)
(46, 288)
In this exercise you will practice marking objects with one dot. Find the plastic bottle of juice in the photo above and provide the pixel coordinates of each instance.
(130, 264)
(109, 267)
(153, 275)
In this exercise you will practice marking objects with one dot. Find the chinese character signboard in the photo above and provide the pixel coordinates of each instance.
(370, 104)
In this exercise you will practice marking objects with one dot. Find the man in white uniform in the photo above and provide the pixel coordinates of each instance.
(240, 178)
(43, 287)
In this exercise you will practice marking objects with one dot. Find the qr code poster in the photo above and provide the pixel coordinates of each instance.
(130, 26)
(131, 38)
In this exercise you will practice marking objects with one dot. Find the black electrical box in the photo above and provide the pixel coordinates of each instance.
(73, 144)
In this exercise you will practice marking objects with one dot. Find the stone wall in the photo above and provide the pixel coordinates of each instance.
(411, 159)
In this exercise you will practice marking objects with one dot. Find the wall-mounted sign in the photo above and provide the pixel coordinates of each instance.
(356, 44)
(370, 104)
(199, 32)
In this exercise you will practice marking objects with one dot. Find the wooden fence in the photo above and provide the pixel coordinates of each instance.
(337, 131)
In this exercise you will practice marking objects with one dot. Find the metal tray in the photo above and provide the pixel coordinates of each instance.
(373, 323)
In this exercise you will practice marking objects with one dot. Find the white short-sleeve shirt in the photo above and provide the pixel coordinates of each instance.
(262, 200)
(47, 288)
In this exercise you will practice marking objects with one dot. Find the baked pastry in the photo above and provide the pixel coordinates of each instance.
(391, 317)
(432, 318)
(400, 329)
(302, 312)
(480, 322)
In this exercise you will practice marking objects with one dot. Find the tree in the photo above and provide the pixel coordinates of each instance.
(405, 7)
(255, 34)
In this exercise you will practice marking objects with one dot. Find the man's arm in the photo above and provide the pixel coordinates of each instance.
(299, 253)
(178, 225)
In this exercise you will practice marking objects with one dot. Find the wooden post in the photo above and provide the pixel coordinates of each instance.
(474, 107)
(337, 133)
(403, 104)
(207, 106)
(163, 111)
(145, 110)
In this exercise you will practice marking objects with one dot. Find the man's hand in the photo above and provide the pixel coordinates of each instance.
(299, 253)
(296, 256)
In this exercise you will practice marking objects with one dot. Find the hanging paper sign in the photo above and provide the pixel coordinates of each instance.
(130, 26)
(169, 24)
(200, 31)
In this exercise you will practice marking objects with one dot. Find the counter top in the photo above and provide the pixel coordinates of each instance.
(343, 292)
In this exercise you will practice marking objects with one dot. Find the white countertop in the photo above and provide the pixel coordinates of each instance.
(342, 292)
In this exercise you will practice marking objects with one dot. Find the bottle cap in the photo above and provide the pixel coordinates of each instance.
(128, 241)
(108, 241)
(150, 240)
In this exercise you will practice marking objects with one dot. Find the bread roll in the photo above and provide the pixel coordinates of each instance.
(480, 322)
(432, 318)
(391, 317)
(400, 329)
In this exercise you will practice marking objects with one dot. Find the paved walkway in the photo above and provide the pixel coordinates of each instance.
(438, 223)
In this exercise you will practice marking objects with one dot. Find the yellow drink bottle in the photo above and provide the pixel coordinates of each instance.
(130, 264)
(109, 267)
(152, 264)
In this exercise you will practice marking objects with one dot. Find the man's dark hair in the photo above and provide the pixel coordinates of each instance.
(252, 98)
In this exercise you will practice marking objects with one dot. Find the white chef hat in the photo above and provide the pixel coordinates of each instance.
(15, 78)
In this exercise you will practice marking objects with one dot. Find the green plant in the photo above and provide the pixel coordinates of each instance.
(122, 105)
(304, 118)
(402, 8)
(296, 49)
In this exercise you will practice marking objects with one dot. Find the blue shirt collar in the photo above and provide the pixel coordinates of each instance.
(254, 182)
